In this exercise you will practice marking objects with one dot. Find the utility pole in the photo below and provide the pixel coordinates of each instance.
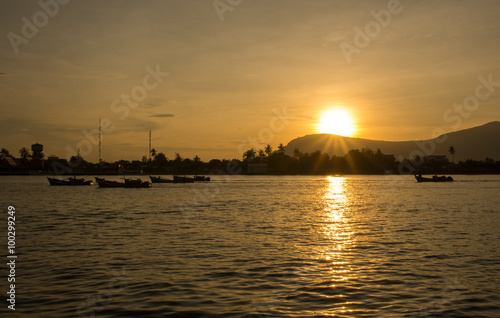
(99, 135)
(149, 152)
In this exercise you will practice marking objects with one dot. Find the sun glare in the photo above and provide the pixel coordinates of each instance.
(337, 122)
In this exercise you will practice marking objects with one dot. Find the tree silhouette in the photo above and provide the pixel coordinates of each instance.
(160, 159)
(196, 164)
(4, 153)
(281, 148)
(153, 153)
(261, 155)
(452, 153)
(24, 152)
(297, 153)
(249, 155)
(38, 155)
(268, 150)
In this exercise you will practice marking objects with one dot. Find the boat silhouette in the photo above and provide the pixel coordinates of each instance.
(434, 178)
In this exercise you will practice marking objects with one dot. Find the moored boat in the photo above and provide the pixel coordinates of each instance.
(433, 179)
(178, 179)
(128, 183)
(72, 181)
(201, 178)
(160, 180)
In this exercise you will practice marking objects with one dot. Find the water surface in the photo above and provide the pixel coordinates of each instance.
(258, 246)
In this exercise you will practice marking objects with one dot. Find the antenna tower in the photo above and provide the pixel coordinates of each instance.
(149, 153)
(99, 135)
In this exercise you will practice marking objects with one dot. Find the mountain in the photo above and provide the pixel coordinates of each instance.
(475, 143)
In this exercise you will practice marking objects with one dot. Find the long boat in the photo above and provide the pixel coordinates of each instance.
(160, 180)
(128, 183)
(72, 181)
(179, 179)
(201, 178)
(433, 179)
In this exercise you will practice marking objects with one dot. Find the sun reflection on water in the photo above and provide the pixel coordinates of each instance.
(336, 230)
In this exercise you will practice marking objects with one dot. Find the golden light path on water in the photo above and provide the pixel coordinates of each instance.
(338, 232)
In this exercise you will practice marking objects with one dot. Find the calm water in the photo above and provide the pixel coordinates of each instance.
(363, 246)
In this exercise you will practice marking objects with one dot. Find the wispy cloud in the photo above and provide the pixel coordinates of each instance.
(162, 115)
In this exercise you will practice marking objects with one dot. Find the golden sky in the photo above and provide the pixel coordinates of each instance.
(398, 67)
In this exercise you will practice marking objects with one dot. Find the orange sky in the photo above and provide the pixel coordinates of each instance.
(398, 67)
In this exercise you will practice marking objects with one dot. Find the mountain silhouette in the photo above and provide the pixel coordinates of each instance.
(475, 143)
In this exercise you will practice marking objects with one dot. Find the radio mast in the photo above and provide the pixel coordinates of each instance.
(149, 153)
(99, 135)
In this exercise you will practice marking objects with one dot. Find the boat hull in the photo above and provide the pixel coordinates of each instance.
(160, 180)
(69, 182)
(201, 179)
(129, 183)
(178, 179)
(434, 179)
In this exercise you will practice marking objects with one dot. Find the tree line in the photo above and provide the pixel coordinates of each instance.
(356, 161)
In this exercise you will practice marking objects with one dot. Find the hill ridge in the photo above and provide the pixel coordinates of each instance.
(476, 143)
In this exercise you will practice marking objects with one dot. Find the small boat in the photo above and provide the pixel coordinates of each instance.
(72, 181)
(433, 179)
(178, 179)
(128, 183)
(201, 178)
(160, 180)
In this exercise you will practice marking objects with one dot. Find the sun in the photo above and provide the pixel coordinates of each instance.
(337, 122)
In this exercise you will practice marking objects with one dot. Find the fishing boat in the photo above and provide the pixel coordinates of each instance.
(201, 178)
(179, 179)
(433, 179)
(72, 181)
(128, 183)
(160, 180)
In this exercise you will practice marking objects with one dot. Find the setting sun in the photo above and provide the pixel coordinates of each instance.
(337, 122)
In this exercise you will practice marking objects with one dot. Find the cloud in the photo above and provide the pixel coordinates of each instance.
(162, 115)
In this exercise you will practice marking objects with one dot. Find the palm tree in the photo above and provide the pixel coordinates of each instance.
(153, 152)
(249, 155)
(196, 164)
(24, 152)
(261, 155)
(268, 150)
(452, 153)
(297, 153)
(281, 148)
(4, 153)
